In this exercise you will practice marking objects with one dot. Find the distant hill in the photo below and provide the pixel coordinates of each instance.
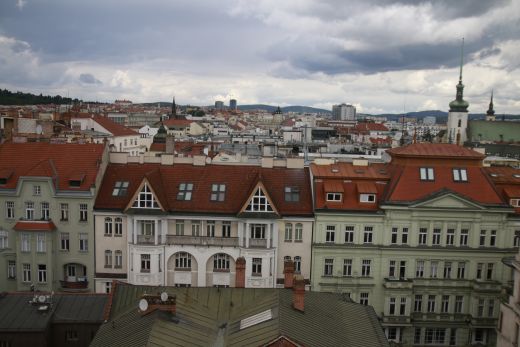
(18, 98)
(440, 116)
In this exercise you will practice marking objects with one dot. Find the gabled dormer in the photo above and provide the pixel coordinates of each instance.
(145, 198)
(259, 202)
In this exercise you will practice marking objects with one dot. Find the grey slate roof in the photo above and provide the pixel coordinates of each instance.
(17, 314)
(211, 317)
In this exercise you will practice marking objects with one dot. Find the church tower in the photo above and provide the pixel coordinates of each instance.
(174, 110)
(490, 114)
(458, 116)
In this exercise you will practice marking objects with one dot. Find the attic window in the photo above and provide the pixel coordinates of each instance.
(256, 319)
(427, 174)
(333, 196)
(218, 192)
(145, 199)
(120, 188)
(460, 175)
(185, 190)
(516, 175)
(76, 180)
(5, 175)
(292, 194)
(515, 202)
(367, 198)
(259, 202)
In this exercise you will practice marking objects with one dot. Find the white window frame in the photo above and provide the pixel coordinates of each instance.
(11, 269)
(185, 191)
(83, 212)
(42, 273)
(4, 239)
(41, 244)
(218, 192)
(183, 261)
(298, 232)
(146, 199)
(26, 273)
(427, 174)
(347, 267)
(25, 244)
(83, 242)
(259, 202)
(9, 209)
(367, 198)
(29, 210)
(335, 197)
(64, 212)
(460, 175)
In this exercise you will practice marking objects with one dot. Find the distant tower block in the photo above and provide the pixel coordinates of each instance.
(343, 112)
(458, 116)
(490, 114)
(233, 104)
(219, 105)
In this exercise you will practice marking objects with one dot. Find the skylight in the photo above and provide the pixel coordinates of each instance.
(256, 319)
(120, 188)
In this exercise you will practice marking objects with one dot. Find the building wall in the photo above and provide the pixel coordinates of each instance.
(293, 247)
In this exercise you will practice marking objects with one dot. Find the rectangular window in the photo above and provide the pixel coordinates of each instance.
(45, 211)
(329, 267)
(118, 226)
(29, 210)
(447, 269)
(434, 265)
(298, 232)
(179, 227)
(333, 196)
(42, 273)
(367, 234)
(349, 234)
(218, 192)
(417, 306)
(489, 272)
(491, 308)
(185, 190)
(427, 174)
(71, 335)
(257, 267)
(330, 234)
(292, 194)
(297, 264)
(419, 269)
(41, 246)
(434, 336)
(393, 236)
(402, 269)
(480, 268)
(363, 299)
(4, 240)
(423, 236)
(64, 241)
(391, 269)
(370, 198)
(258, 231)
(493, 238)
(450, 237)
(37, 190)
(404, 236)
(145, 262)
(480, 307)
(83, 212)
(108, 287)
(464, 237)
(459, 303)
(445, 303)
(431, 304)
(436, 240)
(195, 228)
(118, 255)
(402, 307)
(288, 232)
(461, 270)
(26, 272)
(120, 188)
(365, 267)
(11, 269)
(9, 209)
(83, 242)
(64, 209)
(516, 238)
(391, 306)
(460, 175)
(226, 229)
(347, 267)
(417, 336)
(482, 238)
(26, 242)
(210, 228)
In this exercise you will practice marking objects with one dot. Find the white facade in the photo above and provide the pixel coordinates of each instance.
(457, 127)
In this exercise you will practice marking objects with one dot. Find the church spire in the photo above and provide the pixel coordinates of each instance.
(459, 104)
(174, 109)
(490, 114)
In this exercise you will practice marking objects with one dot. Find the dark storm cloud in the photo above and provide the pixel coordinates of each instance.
(89, 79)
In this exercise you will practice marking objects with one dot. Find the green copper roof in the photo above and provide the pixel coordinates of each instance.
(459, 104)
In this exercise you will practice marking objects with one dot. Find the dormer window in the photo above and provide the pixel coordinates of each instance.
(145, 199)
(370, 198)
(185, 190)
(76, 180)
(427, 174)
(259, 202)
(292, 194)
(5, 175)
(460, 175)
(120, 188)
(514, 202)
(334, 196)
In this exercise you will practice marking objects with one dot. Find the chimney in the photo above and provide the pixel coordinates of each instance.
(240, 274)
(288, 271)
(299, 293)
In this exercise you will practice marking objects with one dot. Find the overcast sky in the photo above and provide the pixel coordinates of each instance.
(380, 55)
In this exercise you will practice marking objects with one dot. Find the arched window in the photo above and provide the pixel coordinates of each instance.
(183, 261)
(108, 226)
(221, 262)
(108, 258)
(298, 232)
(118, 221)
(297, 264)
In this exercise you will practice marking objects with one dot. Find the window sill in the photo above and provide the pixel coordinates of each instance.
(118, 267)
(11, 278)
(287, 240)
(63, 220)
(185, 269)
(118, 235)
(83, 250)
(108, 266)
(145, 271)
(41, 252)
(299, 241)
(256, 275)
(221, 270)
(64, 250)
(107, 235)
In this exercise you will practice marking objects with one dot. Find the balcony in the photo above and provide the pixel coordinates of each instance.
(258, 243)
(441, 317)
(401, 320)
(145, 239)
(79, 285)
(398, 283)
(487, 286)
(202, 241)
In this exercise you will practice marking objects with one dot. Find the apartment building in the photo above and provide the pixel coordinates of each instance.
(47, 193)
(420, 238)
(161, 222)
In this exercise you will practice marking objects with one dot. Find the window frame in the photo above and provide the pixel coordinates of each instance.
(218, 192)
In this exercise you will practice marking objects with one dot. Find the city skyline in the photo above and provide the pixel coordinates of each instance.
(295, 53)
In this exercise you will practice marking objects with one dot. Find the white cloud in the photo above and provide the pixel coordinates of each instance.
(21, 4)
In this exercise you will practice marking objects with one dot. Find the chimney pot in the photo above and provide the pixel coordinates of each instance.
(299, 293)
(288, 270)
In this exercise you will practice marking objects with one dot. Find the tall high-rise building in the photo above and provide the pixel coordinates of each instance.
(233, 104)
(219, 105)
(343, 112)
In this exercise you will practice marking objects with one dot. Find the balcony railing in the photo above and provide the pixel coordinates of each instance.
(258, 243)
(202, 240)
(80, 284)
(146, 239)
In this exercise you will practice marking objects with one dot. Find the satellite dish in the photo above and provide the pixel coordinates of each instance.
(41, 299)
(164, 296)
(143, 305)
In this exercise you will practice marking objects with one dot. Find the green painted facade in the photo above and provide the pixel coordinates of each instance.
(458, 284)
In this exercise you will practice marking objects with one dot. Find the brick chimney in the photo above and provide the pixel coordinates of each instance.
(240, 275)
(288, 271)
(299, 293)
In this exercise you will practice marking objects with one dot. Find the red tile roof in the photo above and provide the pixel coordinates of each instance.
(177, 123)
(114, 128)
(437, 150)
(367, 127)
(507, 182)
(34, 226)
(58, 161)
(239, 181)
